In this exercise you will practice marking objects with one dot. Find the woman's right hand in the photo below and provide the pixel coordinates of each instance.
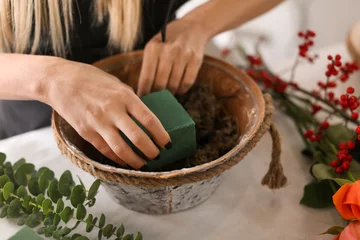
(97, 105)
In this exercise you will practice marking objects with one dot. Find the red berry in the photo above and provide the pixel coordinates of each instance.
(331, 95)
(354, 115)
(344, 77)
(325, 125)
(337, 57)
(317, 138)
(330, 57)
(345, 166)
(310, 33)
(348, 158)
(343, 97)
(328, 73)
(300, 34)
(334, 163)
(342, 146)
(358, 130)
(339, 170)
(350, 90)
(337, 63)
(351, 144)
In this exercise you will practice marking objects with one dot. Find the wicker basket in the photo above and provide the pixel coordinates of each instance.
(166, 192)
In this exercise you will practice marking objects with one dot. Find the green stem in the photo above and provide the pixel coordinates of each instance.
(350, 176)
(332, 186)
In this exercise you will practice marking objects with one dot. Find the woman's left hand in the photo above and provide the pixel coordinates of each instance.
(175, 63)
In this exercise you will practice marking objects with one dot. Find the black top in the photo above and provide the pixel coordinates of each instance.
(88, 44)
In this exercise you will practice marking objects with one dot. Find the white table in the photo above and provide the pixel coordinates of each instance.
(240, 209)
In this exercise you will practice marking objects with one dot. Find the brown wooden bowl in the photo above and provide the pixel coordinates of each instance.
(353, 42)
(248, 107)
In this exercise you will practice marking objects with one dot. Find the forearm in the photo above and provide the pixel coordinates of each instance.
(25, 77)
(217, 16)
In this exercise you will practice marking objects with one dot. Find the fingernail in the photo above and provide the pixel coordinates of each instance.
(144, 168)
(168, 145)
(157, 157)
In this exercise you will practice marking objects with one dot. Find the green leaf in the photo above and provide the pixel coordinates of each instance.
(59, 205)
(339, 133)
(81, 182)
(66, 183)
(67, 214)
(22, 172)
(89, 223)
(41, 231)
(34, 219)
(4, 211)
(15, 208)
(139, 236)
(26, 201)
(318, 194)
(8, 190)
(322, 171)
(94, 189)
(49, 231)
(336, 230)
(74, 236)
(82, 238)
(80, 212)
(33, 186)
(21, 191)
(39, 199)
(100, 233)
(129, 237)
(107, 230)
(44, 179)
(22, 220)
(61, 233)
(2, 158)
(342, 181)
(53, 191)
(76, 225)
(47, 206)
(3, 180)
(78, 195)
(102, 221)
(120, 231)
(57, 219)
(18, 163)
(49, 220)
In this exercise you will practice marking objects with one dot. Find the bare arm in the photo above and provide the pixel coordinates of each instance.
(175, 63)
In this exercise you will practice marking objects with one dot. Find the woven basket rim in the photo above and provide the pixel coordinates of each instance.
(252, 87)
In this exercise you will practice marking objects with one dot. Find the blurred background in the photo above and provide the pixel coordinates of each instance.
(330, 19)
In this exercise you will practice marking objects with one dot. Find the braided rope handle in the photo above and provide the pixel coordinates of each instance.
(274, 178)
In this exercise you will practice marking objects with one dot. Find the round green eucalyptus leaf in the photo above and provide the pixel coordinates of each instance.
(8, 190)
(129, 237)
(80, 212)
(21, 191)
(26, 201)
(78, 195)
(61, 233)
(89, 223)
(107, 230)
(2, 171)
(74, 236)
(49, 220)
(14, 209)
(100, 234)
(22, 220)
(44, 179)
(47, 206)
(67, 214)
(94, 189)
(139, 236)
(34, 219)
(102, 220)
(40, 171)
(49, 230)
(22, 172)
(81, 238)
(41, 231)
(18, 163)
(120, 231)
(59, 205)
(33, 186)
(2, 158)
(53, 191)
(39, 199)
(66, 183)
(3, 180)
(3, 212)
(57, 219)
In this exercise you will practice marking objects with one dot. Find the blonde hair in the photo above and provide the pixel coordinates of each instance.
(17, 18)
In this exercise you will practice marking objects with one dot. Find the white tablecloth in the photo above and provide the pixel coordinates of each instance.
(240, 209)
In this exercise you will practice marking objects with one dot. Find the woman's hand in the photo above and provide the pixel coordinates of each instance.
(97, 105)
(175, 63)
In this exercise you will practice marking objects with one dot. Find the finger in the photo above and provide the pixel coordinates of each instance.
(121, 148)
(138, 137)
(99, 143)
(148, 119)
(148, 69)
(177, 73)
(162, 73)
(191, 72)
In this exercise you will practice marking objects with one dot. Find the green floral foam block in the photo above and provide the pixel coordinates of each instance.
(25, 233)
(177, 122)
